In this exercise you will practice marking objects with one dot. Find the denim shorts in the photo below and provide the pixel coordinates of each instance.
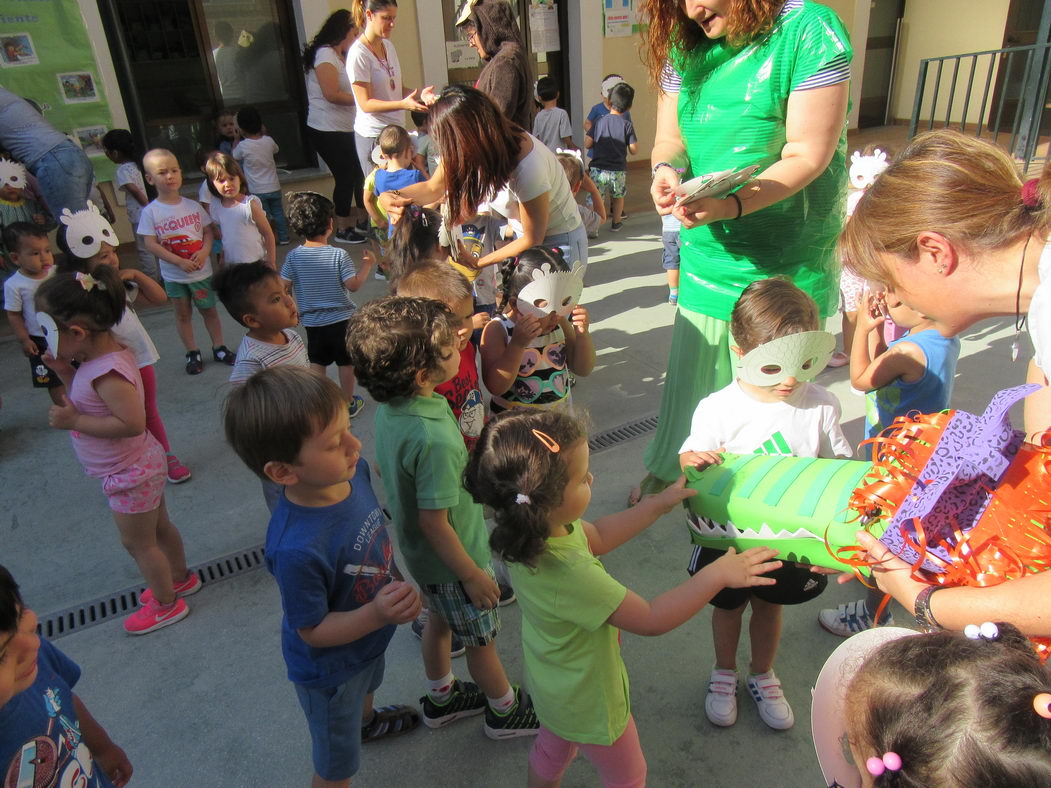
(670, 255)
(334, 719)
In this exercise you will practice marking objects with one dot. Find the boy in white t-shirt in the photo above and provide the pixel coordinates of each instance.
(768, 409)
(255, 153)
(178, 233)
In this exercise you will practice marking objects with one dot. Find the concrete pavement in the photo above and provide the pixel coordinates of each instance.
(206, 702)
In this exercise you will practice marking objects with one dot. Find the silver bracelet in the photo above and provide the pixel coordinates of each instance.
(922, 609)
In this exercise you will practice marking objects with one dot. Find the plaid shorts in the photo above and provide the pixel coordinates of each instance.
(611, 182)
(475, 627)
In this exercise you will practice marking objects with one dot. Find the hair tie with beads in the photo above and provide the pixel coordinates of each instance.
(1042, 704)
(890, 761)
(1031, 194)
(987, 631)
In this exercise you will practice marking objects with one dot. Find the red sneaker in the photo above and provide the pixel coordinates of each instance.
(152, 616)
(177, 472)
(188, 587)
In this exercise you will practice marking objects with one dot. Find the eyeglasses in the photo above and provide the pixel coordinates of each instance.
(470, 35)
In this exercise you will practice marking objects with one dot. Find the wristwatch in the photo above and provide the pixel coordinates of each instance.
(669, 165)
(922, 609)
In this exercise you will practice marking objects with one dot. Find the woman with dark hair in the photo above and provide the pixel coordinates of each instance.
(375, 76)
(490, 27)
(742, 82)
(330, 116)
(484, 154)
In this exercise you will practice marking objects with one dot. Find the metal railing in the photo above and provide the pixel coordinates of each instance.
(951, 100)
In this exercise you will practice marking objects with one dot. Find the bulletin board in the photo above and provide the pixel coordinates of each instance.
(46, 57)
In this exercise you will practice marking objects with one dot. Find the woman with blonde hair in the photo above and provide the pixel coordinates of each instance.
(951, 229)
(742, 82)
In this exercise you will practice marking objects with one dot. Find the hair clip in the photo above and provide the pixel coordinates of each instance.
(1031, 194)
(890, 761)
(88, 282)
(521, 498)
(987, 631)
(1042, 705)
(549, 443)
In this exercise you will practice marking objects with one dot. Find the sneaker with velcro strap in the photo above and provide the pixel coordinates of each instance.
(519, 720)
(850, 618)
(466, 700)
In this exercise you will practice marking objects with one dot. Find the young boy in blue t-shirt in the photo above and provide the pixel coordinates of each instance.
(328, 549)
(47, 734)
(610, 141)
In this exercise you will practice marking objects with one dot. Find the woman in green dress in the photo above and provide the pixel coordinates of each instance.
(743, 82)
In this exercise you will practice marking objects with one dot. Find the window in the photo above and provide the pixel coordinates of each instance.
(181, 61)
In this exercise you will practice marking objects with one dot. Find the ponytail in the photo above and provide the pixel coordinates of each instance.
(522, 478)
(96, 299)
(359, 8)
(415, 240)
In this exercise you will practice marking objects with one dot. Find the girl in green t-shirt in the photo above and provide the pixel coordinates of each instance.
(532, 469)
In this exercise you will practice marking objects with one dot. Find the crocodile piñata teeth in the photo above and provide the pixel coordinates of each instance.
(713, 530)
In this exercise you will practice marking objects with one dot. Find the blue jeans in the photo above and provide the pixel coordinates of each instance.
(275, 212)
(574, 245)
(65, 175)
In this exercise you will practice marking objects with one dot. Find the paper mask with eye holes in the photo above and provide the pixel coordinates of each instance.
(86, 230)
(12, 174)
(800, 356)
(552, 291)
(50, 329)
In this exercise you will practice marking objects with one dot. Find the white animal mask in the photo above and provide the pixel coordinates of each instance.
(552, 291)
(865, 169)
(800, 356)
(12, 174)
(50, 329)
(86, 230)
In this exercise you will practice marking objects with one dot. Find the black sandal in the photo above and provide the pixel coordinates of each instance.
(389, 721)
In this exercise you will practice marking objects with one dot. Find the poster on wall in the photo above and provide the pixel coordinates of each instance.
(46, 57)
(543, 28)
(619, 17)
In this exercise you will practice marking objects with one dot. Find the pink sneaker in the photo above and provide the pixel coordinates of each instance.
(188, 587)
(152, 616)
(177, 472)
(839, 359)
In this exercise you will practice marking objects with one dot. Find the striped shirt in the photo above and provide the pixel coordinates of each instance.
(317, 274)
(834, 72)
(255, 356)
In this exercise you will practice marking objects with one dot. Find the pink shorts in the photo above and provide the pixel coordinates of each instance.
(619, 765)
(140, 487)
(851, 287)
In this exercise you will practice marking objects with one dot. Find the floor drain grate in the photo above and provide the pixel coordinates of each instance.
(120, 603)
(625, 432)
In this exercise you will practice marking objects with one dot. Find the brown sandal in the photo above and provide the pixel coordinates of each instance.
(389, 721)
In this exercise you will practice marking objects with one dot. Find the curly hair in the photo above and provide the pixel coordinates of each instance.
(391, 340)
(68, 299)
(669, 30)
(271, 415)
(959, 712)
(309, 214)
(509, 460)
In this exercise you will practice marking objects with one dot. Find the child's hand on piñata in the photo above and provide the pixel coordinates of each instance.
(671, 496)
(699, 459)
(743, 570)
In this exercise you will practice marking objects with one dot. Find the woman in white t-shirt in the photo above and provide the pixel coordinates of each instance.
(952, 231)
(485, 158)
(375, 75)
(330, 117)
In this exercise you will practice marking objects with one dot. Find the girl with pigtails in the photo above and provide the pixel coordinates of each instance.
(540, 334)
(532, 467)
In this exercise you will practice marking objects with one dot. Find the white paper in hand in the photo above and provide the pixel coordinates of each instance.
(714, 184)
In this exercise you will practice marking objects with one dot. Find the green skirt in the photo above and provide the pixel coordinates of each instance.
(700, 363)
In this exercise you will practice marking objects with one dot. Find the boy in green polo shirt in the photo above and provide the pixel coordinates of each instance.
(402, 348)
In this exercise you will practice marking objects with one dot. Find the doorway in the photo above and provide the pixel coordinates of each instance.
(881, 48)
(1028, 22)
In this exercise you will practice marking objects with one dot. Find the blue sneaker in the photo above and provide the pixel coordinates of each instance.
(850, 618)
(357, 404)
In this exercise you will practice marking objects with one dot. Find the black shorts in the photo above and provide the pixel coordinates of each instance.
(328, 344)
(41, 374)
(796, 584)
